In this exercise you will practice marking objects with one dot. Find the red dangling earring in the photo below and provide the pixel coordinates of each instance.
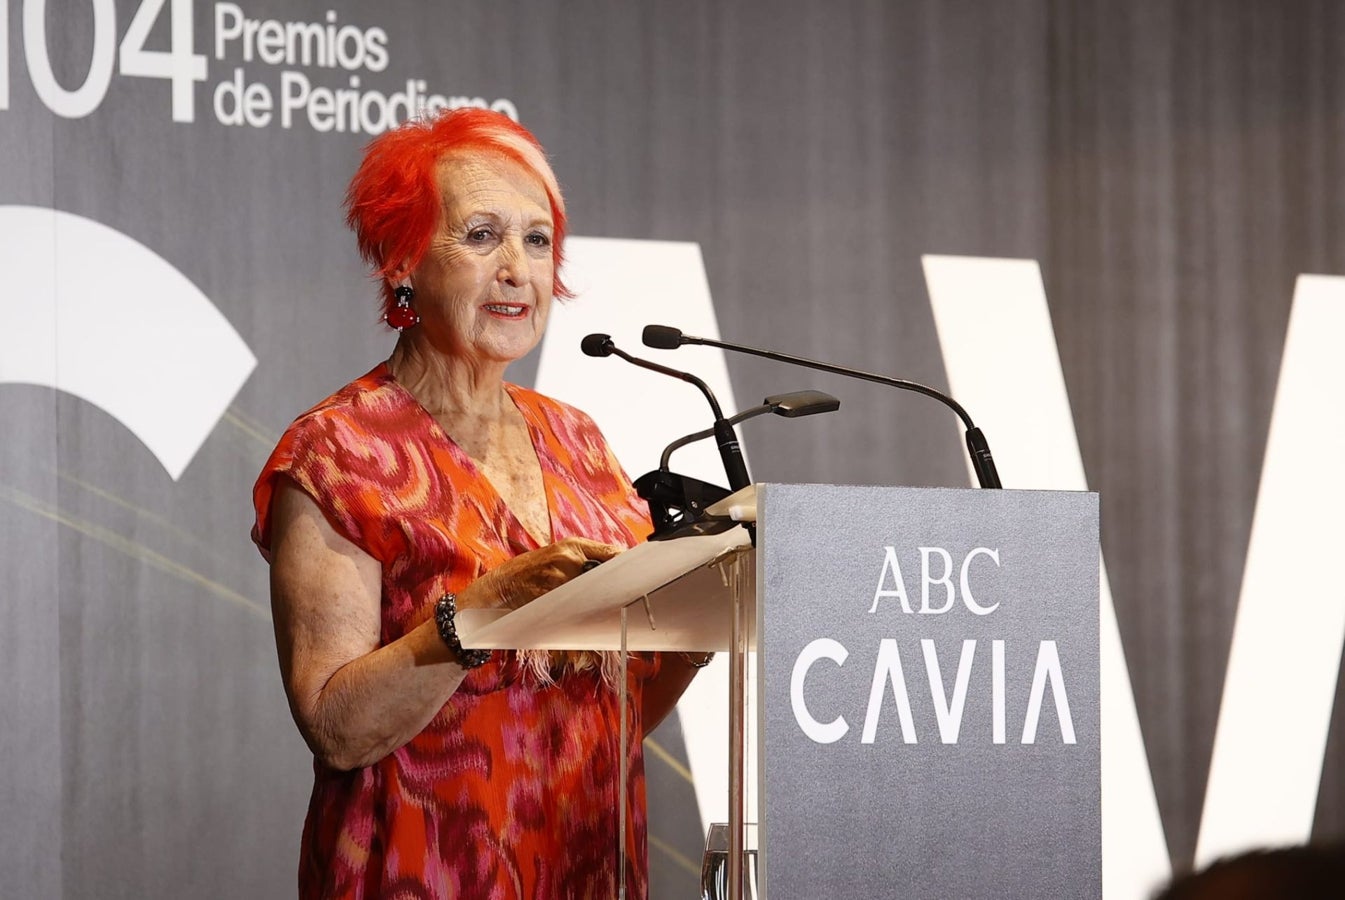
(402, 315)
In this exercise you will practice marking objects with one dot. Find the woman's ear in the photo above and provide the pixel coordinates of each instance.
(401, 275)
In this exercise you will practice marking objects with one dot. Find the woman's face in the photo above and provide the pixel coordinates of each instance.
(483, 289)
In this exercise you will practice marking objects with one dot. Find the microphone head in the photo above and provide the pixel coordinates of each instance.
(662, 337)
(802, 403)
(597, 345)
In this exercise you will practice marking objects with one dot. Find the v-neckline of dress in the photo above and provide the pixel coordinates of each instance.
(463, 458)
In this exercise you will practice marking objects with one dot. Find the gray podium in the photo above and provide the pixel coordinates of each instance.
(923, 681)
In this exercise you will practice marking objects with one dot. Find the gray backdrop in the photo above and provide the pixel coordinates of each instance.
(1172, 165)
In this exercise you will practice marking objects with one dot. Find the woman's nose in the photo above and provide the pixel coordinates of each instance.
(513, 262)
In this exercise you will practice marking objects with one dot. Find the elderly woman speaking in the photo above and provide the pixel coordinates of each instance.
(431, 485)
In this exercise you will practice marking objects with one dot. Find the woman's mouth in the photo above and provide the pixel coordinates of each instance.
(505, 310)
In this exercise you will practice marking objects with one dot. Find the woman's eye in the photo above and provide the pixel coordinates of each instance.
(537, 239)
(477, 235)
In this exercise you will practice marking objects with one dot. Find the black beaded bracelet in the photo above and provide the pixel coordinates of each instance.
(698, 663)
(445, 615)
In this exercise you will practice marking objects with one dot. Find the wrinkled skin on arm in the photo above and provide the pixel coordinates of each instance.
(354, 701)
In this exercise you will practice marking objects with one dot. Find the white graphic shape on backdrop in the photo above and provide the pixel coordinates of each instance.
(1266, 768)
(84, 99)
(96, 314)
(623, 285)
(1003, 365)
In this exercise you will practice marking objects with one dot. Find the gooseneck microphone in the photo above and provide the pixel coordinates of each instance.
(792, 406)
(664, 337)
(729, 450)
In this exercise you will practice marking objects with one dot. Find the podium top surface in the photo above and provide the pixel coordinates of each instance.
(685, 581)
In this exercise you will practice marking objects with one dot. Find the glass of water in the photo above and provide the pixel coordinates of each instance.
(715, 864)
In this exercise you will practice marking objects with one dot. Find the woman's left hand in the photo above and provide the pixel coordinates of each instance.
(529, 575)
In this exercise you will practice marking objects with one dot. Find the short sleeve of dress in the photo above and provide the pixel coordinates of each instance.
(325, 454)
(305, 455)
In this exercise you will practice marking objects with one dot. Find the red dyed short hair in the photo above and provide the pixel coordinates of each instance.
(393, 202)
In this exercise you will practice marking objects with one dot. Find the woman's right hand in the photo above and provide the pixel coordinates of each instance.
(526, 577)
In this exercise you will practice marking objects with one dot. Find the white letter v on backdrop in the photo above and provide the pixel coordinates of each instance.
(1000, 352)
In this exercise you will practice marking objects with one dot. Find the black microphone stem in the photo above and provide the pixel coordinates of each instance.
(977, 446)
(729, 449)
(839, 370)
(675, 373)
(665, 459)
(732, 455)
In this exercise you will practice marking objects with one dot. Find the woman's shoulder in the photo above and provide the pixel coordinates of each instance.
(354, 431)
(361, 406)
(333, 451)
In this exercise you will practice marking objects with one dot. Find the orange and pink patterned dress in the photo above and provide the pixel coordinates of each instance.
(511, 791)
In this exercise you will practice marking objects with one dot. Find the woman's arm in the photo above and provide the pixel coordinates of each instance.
(354, 701)
(662, 692)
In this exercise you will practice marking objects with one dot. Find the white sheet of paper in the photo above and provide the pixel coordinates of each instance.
(688, 606)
